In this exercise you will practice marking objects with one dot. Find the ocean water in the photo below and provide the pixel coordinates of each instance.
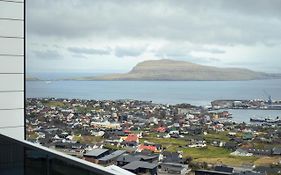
(245, 115)
(165, 92)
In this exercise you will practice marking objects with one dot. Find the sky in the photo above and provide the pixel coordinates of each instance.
(106, 36)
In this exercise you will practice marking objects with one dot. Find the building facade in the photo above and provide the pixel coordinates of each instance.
(12, 68)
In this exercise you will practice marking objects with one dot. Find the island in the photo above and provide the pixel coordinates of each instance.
(173, 70)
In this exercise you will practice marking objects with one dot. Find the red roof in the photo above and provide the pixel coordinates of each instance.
(160, 129)
(127, 131)
(150, 148)
(131, 138)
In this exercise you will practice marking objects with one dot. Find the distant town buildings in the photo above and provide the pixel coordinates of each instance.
(147, 138)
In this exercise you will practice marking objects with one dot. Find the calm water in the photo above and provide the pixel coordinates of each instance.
(167, 92)
(245, 115)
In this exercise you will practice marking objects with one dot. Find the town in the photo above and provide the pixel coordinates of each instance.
(147, 138)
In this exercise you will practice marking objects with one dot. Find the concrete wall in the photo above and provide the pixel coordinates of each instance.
(12, 68)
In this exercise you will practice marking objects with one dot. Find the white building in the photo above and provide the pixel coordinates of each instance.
(12, 68)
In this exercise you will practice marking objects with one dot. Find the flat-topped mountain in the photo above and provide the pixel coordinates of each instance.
(183, 71)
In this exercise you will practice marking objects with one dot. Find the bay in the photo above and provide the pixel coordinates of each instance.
(165, 92)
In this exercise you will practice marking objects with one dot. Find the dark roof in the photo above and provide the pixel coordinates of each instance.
(212, 172)
(230, 144)
(118, 133)
(259, 151)
(267, 170)
(127, 158)
(174, 166)
(96, 152)
(171, 154)
(139, 164)
(249, 173)
(146, 157)
(174, 160)
(113, 155)
(276, 151)
(224, 169)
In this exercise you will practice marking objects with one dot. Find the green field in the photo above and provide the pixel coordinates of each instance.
(209, 154)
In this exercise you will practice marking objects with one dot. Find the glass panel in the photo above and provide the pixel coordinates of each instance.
(35, 162)
(59, 167)
(11, 158)
(18, 159)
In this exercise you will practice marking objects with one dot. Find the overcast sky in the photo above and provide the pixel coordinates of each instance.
(113, 36)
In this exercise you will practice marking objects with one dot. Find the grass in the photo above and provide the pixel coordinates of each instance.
(207, 152)
(222, 136)
(55, 104)
(84, 110)
(112, 147)
(229, 160)
(210, 154)
(32, 135)
(88, 139)
(165, 141)
(216, 155)
(266, 161)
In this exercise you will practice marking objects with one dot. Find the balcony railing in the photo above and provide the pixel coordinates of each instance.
(24, 158)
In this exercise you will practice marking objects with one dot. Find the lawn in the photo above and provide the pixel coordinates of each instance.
(210, 154)
(265, 161)
(32, 136)
(222, 136)
(229, 160)
(88, 139)
(207, 152)
(216, 155)
(55, 104)
(165, 141)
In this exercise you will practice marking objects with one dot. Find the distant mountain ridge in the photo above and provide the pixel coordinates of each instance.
(29, 78)
(172, 70)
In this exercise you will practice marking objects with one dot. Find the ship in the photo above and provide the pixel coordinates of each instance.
(266, 120)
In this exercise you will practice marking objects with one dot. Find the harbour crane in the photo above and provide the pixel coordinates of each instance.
(269, 97)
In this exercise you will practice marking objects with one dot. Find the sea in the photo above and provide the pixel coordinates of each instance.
(165, 92)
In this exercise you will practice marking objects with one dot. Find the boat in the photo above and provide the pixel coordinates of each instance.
(266, 120)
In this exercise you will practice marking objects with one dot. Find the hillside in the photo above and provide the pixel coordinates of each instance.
(29, 78)
(182, 71)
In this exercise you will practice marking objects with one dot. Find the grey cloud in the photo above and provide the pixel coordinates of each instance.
(47, 54)
(213, 50)
(204, 60)
(182, 50)
(89, 51)
(78, 56)
(129, 51)
(178, 56)
(197, 21)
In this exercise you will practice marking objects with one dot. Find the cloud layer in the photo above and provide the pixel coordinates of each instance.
(184, 29)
